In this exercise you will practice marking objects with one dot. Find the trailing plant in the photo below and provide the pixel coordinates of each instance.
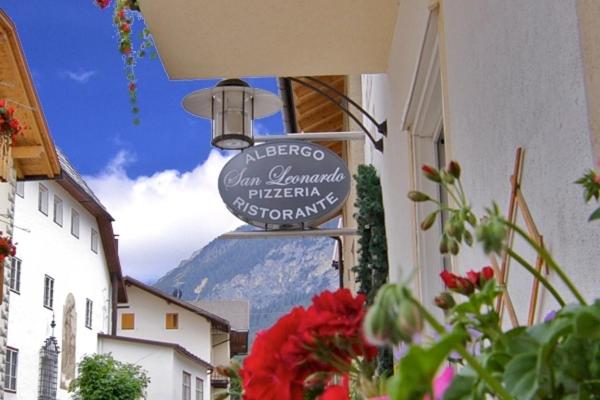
(372, 269)
(101, 377)
(124, 14)
(556, 359)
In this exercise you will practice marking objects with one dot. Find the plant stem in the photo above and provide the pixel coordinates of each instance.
(451, 193)
(539, 276)
(462, 192)
(460, 349)
(548, 259)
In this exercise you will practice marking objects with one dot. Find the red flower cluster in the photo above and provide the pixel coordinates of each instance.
(102, 3)
(9, 125)
(7, 248)
(467, 285)
(323, 338)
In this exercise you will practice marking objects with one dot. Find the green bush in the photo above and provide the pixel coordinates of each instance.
(101, 377)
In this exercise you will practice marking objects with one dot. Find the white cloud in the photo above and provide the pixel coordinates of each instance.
(163, 218)
(80, 76)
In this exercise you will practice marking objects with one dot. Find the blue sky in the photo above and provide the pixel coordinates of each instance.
(71, 48)
(158, 179)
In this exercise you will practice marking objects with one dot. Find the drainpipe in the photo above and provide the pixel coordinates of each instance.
(340, 259)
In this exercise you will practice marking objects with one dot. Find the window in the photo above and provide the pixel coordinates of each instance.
(127, 321)
(10, 375)
(186, 393)
(199, 389)
(15, 275)
(75, 223)
(48, 292)
(21, 189)
(172, 321)
(94, 244)
(43, 200)
(58, 210)
(89, 306)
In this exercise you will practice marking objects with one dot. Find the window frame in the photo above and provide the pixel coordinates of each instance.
(20, 189)
(49, 292)
(94, 240)
(75, 218)
(14, 281)
(123, 315)
(55, 204)
(171, 321)
(89, 313)
(43, 199)
(12, 354)
(186, 390)
(199, 388)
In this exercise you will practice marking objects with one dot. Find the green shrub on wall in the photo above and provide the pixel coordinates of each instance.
(372, 269)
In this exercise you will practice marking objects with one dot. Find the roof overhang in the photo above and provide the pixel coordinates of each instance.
(34, 153)
(199, 39)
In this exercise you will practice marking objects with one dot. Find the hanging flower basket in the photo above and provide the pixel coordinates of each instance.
(7, 248)
(10, 126)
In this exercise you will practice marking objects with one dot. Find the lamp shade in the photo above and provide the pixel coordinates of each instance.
(232, 106)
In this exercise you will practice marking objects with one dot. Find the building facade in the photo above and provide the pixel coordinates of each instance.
(32, 155)
(61, 284)
(177, 343)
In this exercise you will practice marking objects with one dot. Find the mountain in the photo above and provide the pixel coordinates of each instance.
(274, 275)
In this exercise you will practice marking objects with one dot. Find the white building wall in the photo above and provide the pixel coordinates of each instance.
(514, 78)
(158, 363)
(49, 249)
(194, 333)
(182, 364)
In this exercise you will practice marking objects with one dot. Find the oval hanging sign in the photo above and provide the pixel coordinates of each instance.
(285, 185)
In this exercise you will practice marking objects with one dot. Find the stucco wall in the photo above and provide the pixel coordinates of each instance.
(514, 77)
(47, 248)
(193, 333)
(385, 97)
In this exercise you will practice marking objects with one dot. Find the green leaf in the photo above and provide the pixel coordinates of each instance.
(416, 370)
(520, 376)
(595, 215)
(461, 388)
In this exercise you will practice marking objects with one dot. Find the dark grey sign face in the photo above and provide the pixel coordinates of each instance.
(285, 184)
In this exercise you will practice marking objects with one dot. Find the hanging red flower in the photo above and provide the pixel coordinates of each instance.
(7, 248)
(10, 126)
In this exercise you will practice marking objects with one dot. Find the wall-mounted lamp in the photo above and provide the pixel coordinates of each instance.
(232, 106)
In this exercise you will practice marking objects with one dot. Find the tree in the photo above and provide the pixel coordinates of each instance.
(101, 377)
(372, 269)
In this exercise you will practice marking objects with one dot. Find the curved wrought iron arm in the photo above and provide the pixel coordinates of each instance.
(381, 127)
(378, 144)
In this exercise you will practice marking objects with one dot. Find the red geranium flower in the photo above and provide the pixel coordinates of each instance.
(103, 3)
(265, 375)
(487, 273)
(449, 279)
(126, 27)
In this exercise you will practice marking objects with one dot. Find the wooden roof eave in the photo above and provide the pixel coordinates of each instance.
(30, 111)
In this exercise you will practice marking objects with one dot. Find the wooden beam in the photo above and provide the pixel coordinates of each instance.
(28, 151)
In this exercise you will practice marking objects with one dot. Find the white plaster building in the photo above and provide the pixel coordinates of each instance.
(178, 343)
(66, 270)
